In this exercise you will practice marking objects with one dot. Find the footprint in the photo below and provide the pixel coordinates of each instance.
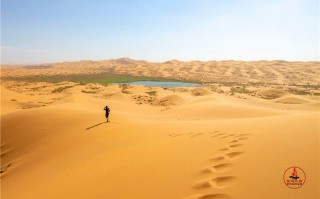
(217, 159)
(233, 141)
(222, 167)
(218, 182)
(5, 168)
(197, 134)
(173, 134)
(202, 184)
(222, 182)
(224, 137)
(243, 138)
(233, 155)
(3, 154)
(217, 168)
(223, 149)
(214, 132)
(210, 196)
(235, 145)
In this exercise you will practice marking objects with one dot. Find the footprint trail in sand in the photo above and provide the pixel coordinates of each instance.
(212, 186)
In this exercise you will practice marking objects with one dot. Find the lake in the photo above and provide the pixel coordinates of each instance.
(162, 84)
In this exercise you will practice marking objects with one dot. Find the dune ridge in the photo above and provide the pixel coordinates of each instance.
(217, 141)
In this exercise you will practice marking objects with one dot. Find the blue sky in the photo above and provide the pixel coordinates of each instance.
(39, 31)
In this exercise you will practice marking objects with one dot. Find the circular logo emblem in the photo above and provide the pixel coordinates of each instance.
(294, 177)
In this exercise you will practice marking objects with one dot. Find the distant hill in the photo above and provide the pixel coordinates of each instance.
(37, 67)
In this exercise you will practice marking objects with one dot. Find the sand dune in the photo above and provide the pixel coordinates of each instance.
(10, 101)
(220, 110)
(170, 100)
(270, 72)
(199, 92)
(160, 143)
(118, 97)
(271, 93)
(292, 100)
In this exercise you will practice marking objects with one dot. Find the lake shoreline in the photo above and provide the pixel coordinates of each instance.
(169, 84)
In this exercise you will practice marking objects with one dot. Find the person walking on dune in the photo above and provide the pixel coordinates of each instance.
(107, 109)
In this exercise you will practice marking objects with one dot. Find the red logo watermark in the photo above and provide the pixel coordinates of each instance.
(294, 177)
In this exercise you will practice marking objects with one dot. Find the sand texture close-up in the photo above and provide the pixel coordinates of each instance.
(231, 137)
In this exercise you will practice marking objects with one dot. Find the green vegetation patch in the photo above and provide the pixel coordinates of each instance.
(152, 93)
(103, 78)
(239, 89)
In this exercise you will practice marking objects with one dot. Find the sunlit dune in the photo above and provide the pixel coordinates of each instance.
(233, 137)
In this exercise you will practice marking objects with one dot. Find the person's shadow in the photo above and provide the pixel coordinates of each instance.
(90, 127)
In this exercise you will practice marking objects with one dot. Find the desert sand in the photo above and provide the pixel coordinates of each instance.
(231, 138)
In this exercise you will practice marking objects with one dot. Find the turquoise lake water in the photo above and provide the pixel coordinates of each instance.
(163, 84)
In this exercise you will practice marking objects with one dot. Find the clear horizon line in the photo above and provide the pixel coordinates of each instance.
(150, 61)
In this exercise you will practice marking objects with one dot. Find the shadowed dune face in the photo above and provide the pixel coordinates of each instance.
(292, 100)
(199, 92)
(270, 93)
(170, 100)
(209, 142)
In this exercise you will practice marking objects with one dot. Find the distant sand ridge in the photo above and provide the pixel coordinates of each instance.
(276, 72)
(231, 138)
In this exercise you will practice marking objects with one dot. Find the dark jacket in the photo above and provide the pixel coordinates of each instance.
(107, 109)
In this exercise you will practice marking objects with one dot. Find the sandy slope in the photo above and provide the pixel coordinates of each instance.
(208, 146)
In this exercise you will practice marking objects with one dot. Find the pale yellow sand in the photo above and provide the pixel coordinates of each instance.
(180, 143)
